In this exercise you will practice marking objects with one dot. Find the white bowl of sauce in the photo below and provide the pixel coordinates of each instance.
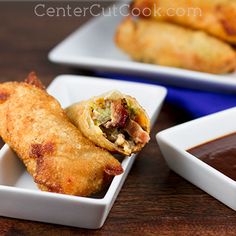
(203, 151)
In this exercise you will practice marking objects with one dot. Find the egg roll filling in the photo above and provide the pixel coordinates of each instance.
(119, 122)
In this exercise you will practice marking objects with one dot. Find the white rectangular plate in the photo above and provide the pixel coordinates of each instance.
(92, 46)
(19, 195)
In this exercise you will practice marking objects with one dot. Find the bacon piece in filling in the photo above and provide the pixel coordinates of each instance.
(119, 115)
(136, 132)
(120, 119)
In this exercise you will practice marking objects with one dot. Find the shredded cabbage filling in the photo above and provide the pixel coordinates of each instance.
(117, 121)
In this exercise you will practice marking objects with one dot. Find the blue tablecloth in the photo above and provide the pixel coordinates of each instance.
(194, 102)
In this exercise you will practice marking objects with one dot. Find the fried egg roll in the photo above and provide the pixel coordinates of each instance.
(167, 44)
(113, 121)
(217, 17)
(56, 154)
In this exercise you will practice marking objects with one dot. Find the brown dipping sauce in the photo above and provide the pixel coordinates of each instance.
(219, 153)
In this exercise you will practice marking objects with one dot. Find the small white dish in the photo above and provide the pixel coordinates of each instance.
(92, 46)
(175, 141)
(19, 195)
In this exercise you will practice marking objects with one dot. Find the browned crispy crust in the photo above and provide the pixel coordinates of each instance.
(33, 80)
(215, 17)
(171, 45)
(55, 153)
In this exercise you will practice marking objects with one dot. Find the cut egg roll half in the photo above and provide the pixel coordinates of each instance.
(113, 121)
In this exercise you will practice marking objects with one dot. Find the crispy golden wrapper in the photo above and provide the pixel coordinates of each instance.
(111, 125)
(171, 45)
(217, 17)
(56, 154)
